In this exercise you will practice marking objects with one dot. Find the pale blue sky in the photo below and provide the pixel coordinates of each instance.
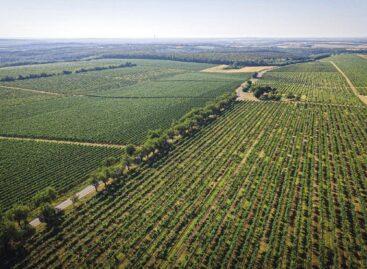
(186, 18)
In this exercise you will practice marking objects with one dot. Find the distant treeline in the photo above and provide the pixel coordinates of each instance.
(65, 72)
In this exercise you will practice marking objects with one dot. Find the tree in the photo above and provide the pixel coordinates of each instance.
(94, 181)
(130, 149)
(19, 213)
(50, 215)
(8, 234)
(74, 199)
(154, 133)
(46, 196)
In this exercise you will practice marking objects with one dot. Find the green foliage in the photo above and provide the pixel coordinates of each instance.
(28, 167)
(19, 213)
(314, 82)
(50, 215)
(45, 196)
(355, 67)
(204, 196)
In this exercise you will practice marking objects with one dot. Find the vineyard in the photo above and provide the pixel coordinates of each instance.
(114, 106)
(28, 167)
(100, 81)
(268, 184)
(355, 67)
(313, 82)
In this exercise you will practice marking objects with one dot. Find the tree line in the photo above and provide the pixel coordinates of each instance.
(65, 72)
(14, 224)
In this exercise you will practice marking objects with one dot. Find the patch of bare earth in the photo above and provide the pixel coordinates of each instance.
(248, 69)
(364, 56)
(243, 96)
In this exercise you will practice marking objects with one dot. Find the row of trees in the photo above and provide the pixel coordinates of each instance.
(99, 68)
(24, 77)
(266, 93)
(14, 224)
(65, 72)
(159, 143)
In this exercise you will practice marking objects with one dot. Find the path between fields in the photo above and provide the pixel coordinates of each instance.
(354, 89)
(67, 203)
(102, 96)
(243, 96)
(30, 90)
(89, 144)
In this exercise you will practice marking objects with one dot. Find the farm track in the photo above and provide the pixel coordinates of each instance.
(30, 90)
(354, 89)
(104, 97)
(88, 144)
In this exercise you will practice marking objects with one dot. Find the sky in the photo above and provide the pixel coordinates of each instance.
(182, 19)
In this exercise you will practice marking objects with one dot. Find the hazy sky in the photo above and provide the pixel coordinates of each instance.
(184, 18)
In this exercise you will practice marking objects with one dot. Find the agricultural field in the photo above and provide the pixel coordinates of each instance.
(355, 67)
(114, 106)
(98, 81)
(28, 167)
(267, 184)
(109, 120)
(313, 82)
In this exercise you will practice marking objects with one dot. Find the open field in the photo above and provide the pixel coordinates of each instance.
(108, 120)
(110, 106)
(266, 184)
(364, 56)
(247, 69)
(313, 82)
(355, 68)
(27, 167)
(270, 209)
(65, 113)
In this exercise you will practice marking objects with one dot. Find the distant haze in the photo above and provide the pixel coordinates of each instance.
(181, 19)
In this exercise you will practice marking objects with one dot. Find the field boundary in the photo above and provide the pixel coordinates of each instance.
(30, 90)
(66, 142)
(354, 89)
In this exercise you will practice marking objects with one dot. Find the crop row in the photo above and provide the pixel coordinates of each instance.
(355, 67)
(28, 167)
(266, 185)
(318, 86)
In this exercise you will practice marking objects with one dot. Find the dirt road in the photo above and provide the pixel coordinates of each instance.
(354, 89)
(89, 144)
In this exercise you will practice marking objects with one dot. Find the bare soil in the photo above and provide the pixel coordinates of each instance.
(247, 69)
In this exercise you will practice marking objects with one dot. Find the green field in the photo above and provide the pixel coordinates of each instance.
(355, 67)
(28, 167)
(126, 104)
(313, 82)
(267, 184)
(108, 120)
(148, 96)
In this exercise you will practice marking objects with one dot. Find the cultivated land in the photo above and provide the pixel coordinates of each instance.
(267, 184)
(79, 119)
(110, 106)
(313, 82)
(355, 69)
(29, 166)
